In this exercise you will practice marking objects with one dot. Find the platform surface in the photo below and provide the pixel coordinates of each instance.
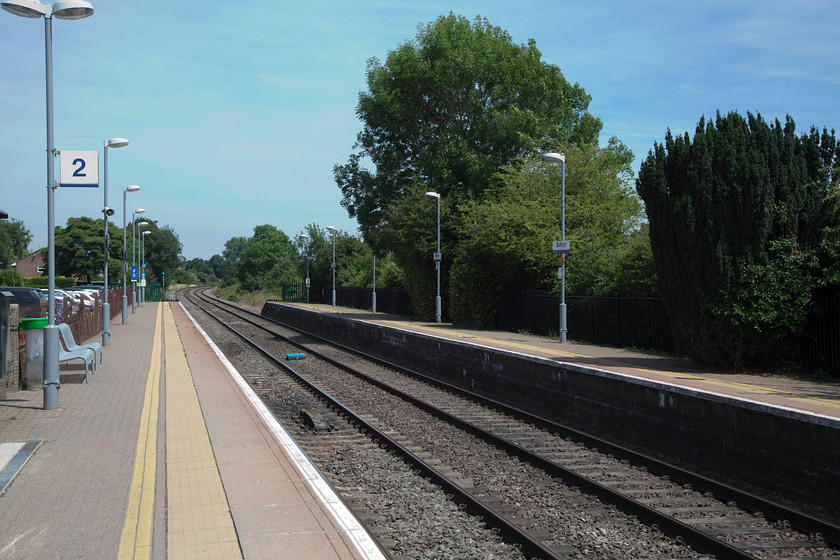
(800, 393)
(164, 454)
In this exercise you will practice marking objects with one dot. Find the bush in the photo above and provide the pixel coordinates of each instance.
(10, 277)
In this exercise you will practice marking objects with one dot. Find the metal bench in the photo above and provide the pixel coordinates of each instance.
(86, 354)
(71, 344)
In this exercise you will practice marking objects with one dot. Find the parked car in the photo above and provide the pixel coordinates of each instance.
(23, 295)
(84, 297)
(29, 299)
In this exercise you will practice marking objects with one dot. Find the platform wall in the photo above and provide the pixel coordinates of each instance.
(717, 433)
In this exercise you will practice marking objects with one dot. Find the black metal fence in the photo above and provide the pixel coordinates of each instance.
(819, 349)
(620, 320)
(388, 300)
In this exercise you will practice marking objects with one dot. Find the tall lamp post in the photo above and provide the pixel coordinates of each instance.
(133, 261)
(553, 157)
(128, 189)
(143, 234)
(332, 229)
(137, 293)
(71, 9)
(437, 257)
(107, 212)
(305, 236)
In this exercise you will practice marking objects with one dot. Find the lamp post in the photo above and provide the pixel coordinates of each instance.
(107, 212)
(332, 229)
(553, 157)
(128, 189)
(134, 262)
(137, 293)
(143, 235)
(437, 257)
(304, 236)
(71, 9)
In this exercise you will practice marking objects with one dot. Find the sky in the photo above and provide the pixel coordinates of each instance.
(236, 112)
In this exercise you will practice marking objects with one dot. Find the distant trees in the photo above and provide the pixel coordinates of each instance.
(79, 245)
(743, 227)
(14, 241)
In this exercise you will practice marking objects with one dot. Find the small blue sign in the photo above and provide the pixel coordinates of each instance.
(133, 273)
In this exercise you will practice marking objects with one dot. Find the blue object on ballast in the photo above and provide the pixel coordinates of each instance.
(296, 356)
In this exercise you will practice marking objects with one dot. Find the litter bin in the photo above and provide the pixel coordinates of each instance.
(34, 350)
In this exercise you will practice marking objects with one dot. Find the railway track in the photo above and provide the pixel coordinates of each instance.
(552, 491)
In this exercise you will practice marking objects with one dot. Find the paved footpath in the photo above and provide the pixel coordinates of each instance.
(163, 454)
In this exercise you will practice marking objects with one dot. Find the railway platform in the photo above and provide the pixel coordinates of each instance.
(777, 389)
(165, 453)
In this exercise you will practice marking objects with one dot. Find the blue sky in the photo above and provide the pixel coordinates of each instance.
(238, 111)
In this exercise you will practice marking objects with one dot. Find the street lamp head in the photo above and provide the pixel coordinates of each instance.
(141, 224)
(554, 157)
(433, 194)
(69, 9)
(332, 229)
(146, 232)
(139, 210)
(303, 236)
(131, 188)
(72, 9)
(116, 143)
(24, 8)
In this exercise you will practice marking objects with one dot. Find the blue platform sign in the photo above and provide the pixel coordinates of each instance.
(134, 273)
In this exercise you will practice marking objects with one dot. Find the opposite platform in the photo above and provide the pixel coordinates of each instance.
(807, 395)
(164, 454)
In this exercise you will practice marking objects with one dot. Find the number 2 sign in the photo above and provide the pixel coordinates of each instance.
(79, 169)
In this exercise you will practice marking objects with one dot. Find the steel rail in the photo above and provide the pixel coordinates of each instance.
(797, 520)
(529, 544)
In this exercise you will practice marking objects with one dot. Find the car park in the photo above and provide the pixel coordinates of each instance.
(29, 299)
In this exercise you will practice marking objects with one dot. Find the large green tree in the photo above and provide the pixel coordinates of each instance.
(445, 113)
(449, 109)
(14, 241)
(738, 221)
(79, 246)
(268, 260)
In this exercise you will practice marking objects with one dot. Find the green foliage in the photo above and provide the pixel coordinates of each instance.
(739, 217)
(10, 277)
(268, 260)
(448, 110)
(163, 251)
(79, 249)
(14, 242)
(61, 282)
(505, 241)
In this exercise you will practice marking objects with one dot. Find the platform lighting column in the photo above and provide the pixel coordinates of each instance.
(74, 9)
(332, 229)
(137, 288)
(437, 258)
(143, 235)
(561, 158)
(107, 212)
(306, 237)
(128, 189)
(133, 261)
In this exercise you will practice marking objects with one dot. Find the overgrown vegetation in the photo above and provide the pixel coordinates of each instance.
(742, 221)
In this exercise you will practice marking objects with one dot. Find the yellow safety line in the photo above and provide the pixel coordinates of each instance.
(136, 541)
(199, 524)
